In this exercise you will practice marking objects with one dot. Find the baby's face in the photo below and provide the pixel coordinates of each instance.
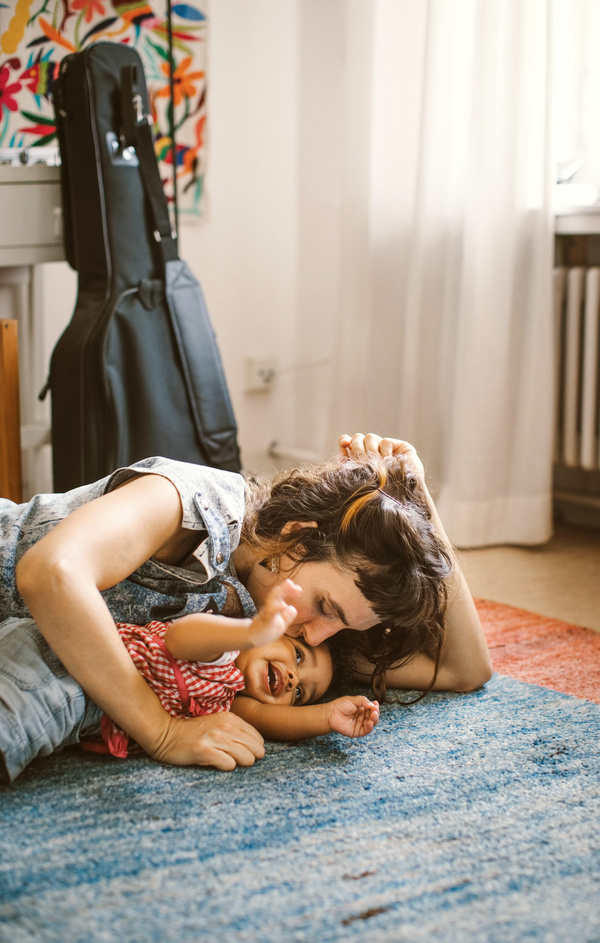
(287, 671)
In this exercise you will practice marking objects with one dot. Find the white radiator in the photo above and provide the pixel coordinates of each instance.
(577, 319)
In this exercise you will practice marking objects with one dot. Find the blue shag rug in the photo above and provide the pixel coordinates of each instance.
(466, 818)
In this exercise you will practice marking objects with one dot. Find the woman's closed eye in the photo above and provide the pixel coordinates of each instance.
(324, 609)
(331, 611)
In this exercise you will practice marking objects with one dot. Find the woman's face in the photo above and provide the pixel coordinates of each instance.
(330, 600)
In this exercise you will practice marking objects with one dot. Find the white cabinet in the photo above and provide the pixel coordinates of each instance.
(30, 215)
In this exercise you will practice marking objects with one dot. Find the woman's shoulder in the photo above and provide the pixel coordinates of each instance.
(203, 491)
(42, 511)
(170, 467)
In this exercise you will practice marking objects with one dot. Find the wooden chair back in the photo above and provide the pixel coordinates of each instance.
(10, 423)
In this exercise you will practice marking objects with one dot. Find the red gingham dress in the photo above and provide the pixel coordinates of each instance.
(184, 688)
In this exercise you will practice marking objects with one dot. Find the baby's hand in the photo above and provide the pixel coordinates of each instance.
(353, 716)
(275, 616)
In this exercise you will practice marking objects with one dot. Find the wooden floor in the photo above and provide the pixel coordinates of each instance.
(560, 579)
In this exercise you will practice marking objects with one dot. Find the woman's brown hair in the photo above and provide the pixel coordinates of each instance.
(373, 519)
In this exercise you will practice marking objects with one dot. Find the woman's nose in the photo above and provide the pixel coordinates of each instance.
(317, 631)
(292, 679)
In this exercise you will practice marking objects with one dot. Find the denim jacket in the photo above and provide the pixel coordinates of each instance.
(213, 504)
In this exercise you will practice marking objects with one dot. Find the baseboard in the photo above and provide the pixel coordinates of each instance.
(581, 510)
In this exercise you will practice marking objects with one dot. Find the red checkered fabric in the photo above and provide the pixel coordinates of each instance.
(184, 688)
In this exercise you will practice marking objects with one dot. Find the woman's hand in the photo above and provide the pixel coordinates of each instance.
(221, 740)
(359, 446)
(353, 716)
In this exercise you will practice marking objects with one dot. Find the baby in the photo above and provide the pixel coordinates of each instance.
(203, 663)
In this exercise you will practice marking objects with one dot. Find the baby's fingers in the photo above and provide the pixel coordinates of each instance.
(365, 704)
(282, 593)
(369, 719)
(287, 615)
(276, 616)
(277, 624)
(369, 723)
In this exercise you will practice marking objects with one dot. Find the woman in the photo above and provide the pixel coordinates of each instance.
(161, 539)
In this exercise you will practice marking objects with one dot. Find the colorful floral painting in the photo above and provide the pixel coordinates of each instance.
(36, 34)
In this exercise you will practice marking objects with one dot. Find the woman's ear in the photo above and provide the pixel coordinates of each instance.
(293, 526)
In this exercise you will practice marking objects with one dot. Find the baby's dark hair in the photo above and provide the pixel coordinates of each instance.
(341, 677)
(373, 519)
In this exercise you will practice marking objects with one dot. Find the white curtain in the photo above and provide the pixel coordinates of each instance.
(425, 237)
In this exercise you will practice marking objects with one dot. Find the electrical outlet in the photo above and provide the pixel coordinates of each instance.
(261, 373)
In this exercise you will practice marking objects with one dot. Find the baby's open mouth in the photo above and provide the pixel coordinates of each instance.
(274, 679)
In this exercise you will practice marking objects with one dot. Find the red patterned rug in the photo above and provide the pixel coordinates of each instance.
(542, 651)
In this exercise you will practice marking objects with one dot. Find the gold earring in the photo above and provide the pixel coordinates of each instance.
(275, 563)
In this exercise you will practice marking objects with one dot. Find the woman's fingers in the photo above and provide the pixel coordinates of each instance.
(221, 760)
(223, 740)
(358, 445)
(388, 447)
(407, 453)
(371, 443)
(344, 443)
(230, 757)
(240, 746)
(237, 738)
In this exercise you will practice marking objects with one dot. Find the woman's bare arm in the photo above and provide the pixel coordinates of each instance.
(465, 663)
(60, 579)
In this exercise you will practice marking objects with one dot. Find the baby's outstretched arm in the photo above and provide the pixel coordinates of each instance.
(351, 716)
(203, 636)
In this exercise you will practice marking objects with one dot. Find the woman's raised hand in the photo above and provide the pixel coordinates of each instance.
(359, 446)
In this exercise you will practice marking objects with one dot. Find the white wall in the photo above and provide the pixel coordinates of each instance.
(245, 253)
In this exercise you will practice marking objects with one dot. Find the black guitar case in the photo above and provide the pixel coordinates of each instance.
(137, 371)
